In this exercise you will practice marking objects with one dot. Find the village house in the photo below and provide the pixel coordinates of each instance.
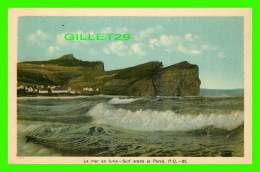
(33, 89)
(30, 89)
(46, 89)
(21, 87)
(88, 89)
(43, 91)
(61, 90)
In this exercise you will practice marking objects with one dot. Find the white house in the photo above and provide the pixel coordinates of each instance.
(88, 89)
(20, 87)
(61, 90)
(30, 89)
(43, 91)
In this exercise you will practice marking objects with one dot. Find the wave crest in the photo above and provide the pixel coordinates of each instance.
(117, 100)
(150, 120)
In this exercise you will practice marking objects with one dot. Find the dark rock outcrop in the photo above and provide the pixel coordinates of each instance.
(181, 79)
(96, 131)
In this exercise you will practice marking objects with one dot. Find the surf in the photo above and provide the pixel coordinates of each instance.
(153, 120)
(117, 100)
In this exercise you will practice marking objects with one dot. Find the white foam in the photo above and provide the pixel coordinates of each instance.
(117, 100)
(150, 120)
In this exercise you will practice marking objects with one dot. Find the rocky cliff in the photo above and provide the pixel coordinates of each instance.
(149, 79)
(181, 79)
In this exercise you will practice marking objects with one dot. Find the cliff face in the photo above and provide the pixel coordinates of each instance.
(143, 87)
(133, 81)
(181, 79)
(151, 79)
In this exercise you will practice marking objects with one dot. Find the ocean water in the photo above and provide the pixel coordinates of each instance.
(131, 126)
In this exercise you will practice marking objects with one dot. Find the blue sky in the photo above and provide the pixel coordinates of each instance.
(215, 44)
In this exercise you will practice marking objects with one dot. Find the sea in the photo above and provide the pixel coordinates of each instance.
(126, 126)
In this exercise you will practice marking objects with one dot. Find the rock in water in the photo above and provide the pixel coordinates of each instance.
(181, 79)
(96, 131)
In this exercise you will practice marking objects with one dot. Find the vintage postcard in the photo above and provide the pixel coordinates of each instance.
(130, 86)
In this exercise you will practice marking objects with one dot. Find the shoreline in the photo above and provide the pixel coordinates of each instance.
(51, 97)
(70, 97)
(124, 96)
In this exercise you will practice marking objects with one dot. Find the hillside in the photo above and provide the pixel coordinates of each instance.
(141, 80)
(56, 72)
(70, 60)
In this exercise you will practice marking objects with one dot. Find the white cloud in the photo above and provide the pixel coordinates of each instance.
(52, 49)
(118, 48)
(195, 52)
(190, 37)
(153, 42)
(208, 47)
(165, 40)
(136, 48)
(168, 42)
(38, 37)
(186, 50)
(189, 44)
(145, 33)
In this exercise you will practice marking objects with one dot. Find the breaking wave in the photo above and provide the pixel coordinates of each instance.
(117, 100)
(150, 120)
